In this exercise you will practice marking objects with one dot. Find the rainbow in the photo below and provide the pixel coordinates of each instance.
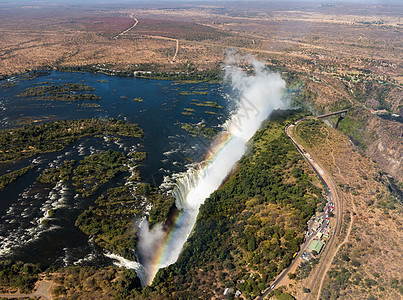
(162, 253)
(260, 95)
(222, 140)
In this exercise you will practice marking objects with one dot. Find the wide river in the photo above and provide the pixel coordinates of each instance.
(169, 149)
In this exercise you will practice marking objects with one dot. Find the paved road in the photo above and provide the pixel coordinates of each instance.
(286, 271)
(331, 187)
(332, 197)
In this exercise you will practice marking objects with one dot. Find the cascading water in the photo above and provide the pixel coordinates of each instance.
(258, 95)
(184, 185)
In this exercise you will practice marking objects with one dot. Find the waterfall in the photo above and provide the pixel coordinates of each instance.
(258, 95)
(128, 264)
(184, 185)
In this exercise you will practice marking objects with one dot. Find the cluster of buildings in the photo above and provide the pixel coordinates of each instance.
(321, 229)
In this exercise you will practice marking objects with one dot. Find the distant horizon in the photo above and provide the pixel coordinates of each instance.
(196, 1)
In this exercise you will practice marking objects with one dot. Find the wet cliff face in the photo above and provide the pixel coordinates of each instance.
(380, 139)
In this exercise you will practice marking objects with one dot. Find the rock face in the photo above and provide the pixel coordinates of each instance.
(381, 139)
(387, 150)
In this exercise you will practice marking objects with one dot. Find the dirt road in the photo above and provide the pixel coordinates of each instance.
(124, 31)
(42, 292)
(151, 36)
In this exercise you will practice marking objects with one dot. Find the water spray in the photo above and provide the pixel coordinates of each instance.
(257, 96)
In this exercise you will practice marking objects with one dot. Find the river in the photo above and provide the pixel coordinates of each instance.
(170, 149)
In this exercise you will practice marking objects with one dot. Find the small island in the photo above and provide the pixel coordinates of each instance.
(29, 140)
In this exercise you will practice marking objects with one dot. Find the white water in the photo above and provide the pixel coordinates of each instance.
(258, 96)
(128, 264)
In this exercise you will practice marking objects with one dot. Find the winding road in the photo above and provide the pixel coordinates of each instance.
(165, 38)
(328, 252)
(124, 31)
(151, 36)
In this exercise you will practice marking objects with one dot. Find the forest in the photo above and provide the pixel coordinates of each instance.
(248, 230)
(54, 175)
(18, 276)
(110, 220)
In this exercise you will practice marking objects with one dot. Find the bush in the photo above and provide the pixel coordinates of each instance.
(345, 257)
(355, 263)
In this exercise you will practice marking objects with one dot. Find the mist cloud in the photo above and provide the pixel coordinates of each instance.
(257, 95)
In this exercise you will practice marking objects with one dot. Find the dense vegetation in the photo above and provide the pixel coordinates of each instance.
(110, 220)
(28, 140)
(355, 124)
(162, 206)
(64, 92)
(18, 276)
(54, 89)
(312, 132)
(54, 175)
(138, 156)
(247, 231)
(210, 76)
(13, 176)
(200, 129)
(152, 71)
(373, 90)
(97, 169)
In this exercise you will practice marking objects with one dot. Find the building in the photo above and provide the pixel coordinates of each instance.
(316, 245)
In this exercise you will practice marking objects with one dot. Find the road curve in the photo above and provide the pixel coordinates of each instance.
(151, 36)
(126, 30)
(165, 38)
(332, 195)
